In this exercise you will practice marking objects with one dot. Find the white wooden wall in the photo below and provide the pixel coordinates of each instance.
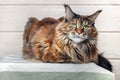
(15, 13)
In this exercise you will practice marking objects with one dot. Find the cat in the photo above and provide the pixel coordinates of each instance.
(69, 39)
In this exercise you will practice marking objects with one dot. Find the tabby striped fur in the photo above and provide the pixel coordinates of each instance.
(72, 38)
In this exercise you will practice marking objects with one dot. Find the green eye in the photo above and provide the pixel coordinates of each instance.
(74, 25)
(85, 27)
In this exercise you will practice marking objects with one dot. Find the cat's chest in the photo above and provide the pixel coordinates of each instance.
(73, 48)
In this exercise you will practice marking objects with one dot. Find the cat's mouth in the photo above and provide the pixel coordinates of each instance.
(76, 38)
(81, 37)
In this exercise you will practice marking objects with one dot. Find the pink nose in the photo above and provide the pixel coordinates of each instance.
(78, 30)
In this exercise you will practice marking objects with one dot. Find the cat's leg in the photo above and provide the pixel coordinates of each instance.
(27, 55)
(52, 57)
(55, 57)
(36, 51)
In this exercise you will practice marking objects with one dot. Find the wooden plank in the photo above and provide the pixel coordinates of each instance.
(14, 18)
(116, 68)
(10, 43)
(59, 2)
(108, 43)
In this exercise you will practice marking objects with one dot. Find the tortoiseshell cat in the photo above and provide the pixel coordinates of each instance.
(72, 38)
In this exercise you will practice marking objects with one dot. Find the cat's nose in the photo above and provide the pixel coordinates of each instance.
(80, 35)
(78, 30)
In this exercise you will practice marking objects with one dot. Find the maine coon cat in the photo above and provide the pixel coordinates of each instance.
(72, 38)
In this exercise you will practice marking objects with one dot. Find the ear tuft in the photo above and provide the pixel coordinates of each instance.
(65, 5)
(99, 11)
(69, 14)
(94, 16)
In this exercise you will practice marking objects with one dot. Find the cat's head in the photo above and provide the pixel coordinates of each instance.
(79, 27)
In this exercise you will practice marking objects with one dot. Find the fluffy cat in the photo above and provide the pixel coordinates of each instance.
(72, 38)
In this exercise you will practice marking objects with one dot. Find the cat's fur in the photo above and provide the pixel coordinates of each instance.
(72, 38)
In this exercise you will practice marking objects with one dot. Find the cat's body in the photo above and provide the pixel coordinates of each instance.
(72, 38)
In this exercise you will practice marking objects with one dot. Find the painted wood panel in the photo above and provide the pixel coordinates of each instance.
(116, 68)
(108, 43)
(59, 2)
(10, 43)
(14, 18)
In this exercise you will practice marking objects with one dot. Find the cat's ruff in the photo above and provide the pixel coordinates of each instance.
(77, 38)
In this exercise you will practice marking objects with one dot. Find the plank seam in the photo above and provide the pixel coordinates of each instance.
(23, 31)
(59, 4)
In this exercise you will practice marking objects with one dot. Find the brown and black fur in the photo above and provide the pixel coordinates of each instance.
(59, 40)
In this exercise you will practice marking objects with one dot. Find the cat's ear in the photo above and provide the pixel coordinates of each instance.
(94, 16)
(69, 14)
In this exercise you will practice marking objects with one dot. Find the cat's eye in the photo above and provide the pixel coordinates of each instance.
(86, 27)
(74, 25)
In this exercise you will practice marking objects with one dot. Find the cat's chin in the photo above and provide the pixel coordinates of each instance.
(77, 40)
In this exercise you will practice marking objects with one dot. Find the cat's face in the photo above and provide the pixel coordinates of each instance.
(79, 28)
